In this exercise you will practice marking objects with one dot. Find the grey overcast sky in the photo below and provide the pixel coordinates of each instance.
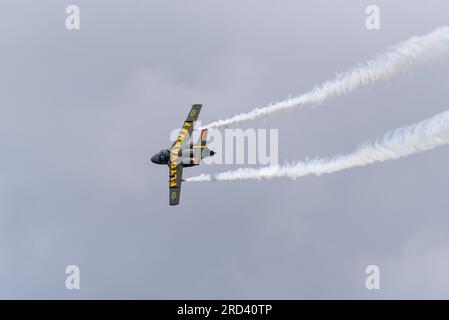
(81, 113)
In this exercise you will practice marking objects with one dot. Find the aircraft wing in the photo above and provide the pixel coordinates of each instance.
(175, 182)
(189, 123)
(175, 163)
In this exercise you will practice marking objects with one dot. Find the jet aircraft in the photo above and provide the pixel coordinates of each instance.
(183, 153)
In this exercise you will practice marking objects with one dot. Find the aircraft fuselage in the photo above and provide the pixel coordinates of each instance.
(188, 159)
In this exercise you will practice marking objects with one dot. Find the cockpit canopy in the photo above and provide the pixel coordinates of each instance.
(164, 156)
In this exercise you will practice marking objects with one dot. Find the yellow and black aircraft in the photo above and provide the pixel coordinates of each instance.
(183, 153)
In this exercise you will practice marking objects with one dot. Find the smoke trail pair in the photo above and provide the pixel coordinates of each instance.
(399, 143)
(400, 58)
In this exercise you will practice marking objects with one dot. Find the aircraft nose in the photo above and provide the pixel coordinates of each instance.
(155, 158)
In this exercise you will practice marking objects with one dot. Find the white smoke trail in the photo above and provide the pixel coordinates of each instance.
(399, 143)
(399, 58)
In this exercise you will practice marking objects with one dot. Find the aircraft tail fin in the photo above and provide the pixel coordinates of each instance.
(201, 146)
(203, 138)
